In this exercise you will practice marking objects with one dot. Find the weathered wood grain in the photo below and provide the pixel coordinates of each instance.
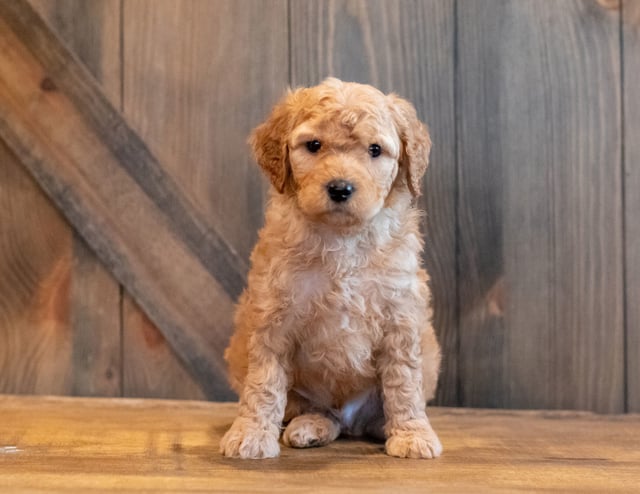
(95, 323)
(631, 101)
(163, 446)
(214, 68)
(134, 217)
(92, 31)
(540, 219)
(407, 48)
(151, 367)
(35, 275)
(70, 343)
(199, 75)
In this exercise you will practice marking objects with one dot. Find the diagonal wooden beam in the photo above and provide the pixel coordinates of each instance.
(59, 124)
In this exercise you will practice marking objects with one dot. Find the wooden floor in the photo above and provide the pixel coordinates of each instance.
(89, 445)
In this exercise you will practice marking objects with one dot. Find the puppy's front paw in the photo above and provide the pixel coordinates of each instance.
(417, 443)
(248, 439)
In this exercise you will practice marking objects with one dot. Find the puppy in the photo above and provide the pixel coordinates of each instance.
(333, 332)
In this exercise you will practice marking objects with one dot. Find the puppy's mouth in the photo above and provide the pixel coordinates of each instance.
(339, 215)
(348, 217)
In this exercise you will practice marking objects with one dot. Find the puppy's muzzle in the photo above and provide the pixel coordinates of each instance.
(340, 190)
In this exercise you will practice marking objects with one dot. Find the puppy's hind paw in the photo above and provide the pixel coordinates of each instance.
(310, 430)
(248, 440)
(421, 443)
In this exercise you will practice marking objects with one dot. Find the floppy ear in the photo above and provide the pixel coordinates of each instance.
(416, 143)
(269, 143)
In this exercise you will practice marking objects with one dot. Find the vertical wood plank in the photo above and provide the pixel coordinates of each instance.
(198, 76)
(92, 31)
(631, 85)
(407, 48)
(154, 371)
(95, 323)
(540, 220)
(35, 275)
(69, 341)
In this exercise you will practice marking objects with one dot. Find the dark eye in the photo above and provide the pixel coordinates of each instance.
(375, 150)
(314, 146)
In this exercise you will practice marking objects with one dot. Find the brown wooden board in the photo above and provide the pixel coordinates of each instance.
(35, 272)
(92, 31)
(132, 214)
(61, 309)
(540, 217)
(407, 48)
(631, 88)
(115, 445)
(198, 77)
(151, 367)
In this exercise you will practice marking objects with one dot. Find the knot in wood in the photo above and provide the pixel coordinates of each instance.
(47, 84)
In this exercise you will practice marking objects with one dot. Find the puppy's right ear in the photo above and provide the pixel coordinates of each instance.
(269, 143)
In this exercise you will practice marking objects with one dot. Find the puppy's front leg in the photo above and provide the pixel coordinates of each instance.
(255, 432)
(407, 428)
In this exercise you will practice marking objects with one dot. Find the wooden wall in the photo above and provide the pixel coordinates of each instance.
(532, 195)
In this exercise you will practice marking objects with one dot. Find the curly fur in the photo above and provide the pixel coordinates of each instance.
(333, 333)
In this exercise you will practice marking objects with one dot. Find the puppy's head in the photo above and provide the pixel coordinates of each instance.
(340, 149)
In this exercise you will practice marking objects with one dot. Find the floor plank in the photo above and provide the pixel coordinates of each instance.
(126, 445)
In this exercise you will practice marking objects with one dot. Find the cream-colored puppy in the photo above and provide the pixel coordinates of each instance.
(333, 333)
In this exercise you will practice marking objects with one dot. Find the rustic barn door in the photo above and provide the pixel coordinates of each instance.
(532, 195)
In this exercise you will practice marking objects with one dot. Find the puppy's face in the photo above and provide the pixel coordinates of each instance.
(343, 158)
(340, 148)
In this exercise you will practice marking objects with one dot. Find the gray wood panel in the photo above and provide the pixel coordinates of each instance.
(199, 75)
(540, 218)
(631, 85)
(407, 48)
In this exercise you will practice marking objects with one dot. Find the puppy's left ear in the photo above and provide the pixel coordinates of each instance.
(416, 143)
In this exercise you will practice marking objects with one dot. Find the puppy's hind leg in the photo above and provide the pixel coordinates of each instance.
(311, 430)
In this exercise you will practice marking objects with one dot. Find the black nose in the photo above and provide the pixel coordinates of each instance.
(340, 190)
